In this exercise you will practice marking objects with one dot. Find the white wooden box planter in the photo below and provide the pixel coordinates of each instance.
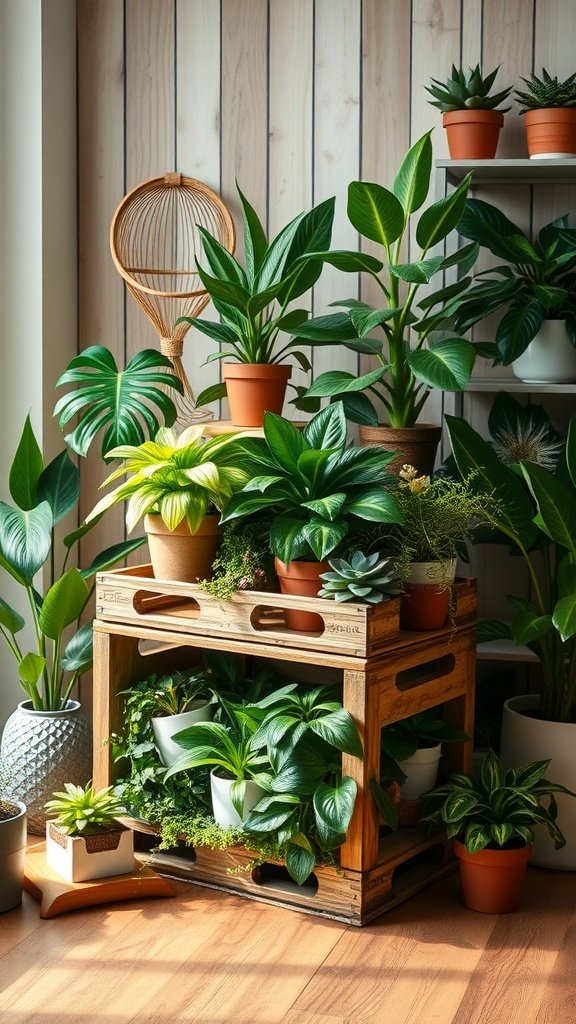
(81, 858)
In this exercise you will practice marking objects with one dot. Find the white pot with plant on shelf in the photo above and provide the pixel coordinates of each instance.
(85, 840)
(550, 358)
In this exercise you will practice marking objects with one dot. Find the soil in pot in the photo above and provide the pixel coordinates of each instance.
(302, 579)
(492, 880)
(253, 389)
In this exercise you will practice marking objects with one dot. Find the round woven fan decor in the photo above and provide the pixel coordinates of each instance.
(154, 241)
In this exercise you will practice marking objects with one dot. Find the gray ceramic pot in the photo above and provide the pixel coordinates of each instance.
(12, 852)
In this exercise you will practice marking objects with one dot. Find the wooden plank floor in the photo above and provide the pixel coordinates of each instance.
(208, 958)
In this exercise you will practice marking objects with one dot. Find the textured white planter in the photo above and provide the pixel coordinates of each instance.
(550, 357)
(225, 814)
(165, 728)
(12, 852)
(421, 770)
(81, 858)
(524, 739)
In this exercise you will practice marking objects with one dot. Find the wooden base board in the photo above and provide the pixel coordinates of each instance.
(409, 863)
(56, 895)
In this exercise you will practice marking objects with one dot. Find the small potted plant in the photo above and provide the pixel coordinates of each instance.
(412, 342)
(469, 112)
(173, 702)
(549, 110)
(492, 820)
(12, 848)
(244, 560)
(536, 288)
(179, 484)
(318, 490)
(84, 839)
(358, 577)
(436, 517)
(253, 305)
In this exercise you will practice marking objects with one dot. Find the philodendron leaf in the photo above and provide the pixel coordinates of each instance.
(63, 603)
(59, 485)
(335, 804)
(25, 539)
(338, 728)
(447, 365)
(375, 212)
(77, 656)
(25, 470)
(300, 861)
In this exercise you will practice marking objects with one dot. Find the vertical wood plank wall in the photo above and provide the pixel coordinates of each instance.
(292, 98)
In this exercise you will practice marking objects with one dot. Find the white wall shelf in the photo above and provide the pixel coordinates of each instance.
(509, 172)
(513, 384)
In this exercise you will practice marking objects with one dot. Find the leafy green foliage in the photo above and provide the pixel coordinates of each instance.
(498, 809)
(44, 495)
(315, 487)
(546, 92)
(178, 477)
(82, 810)
(402, 739)
(121, 401)
(467, 91)
(360, 577)
(174, 693)
(405, 373)
(537, 282)
(244, 560)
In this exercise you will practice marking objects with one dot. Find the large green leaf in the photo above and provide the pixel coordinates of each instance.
(63, 603)
(419, 272)
(517, 328)
(491, 772)
(556, 505)
(376, 504)
(486, 224)
(221, 261)
(335, 804)
(271, 270)
(438, 220)
(300, 862)
(338, 729)
(10, 619)
(447, 365)
(313, 235)
(323, 536)
(78, 653)
(375, 212)
(26, 469)
(25, 539)
(288, 538)
(59, 485)
(285, 441)
(340, 382)
(413, 179)
(255, 241)
(327, 430)
(120, 403)
(527, 625)
(111, 556)
(564, 617)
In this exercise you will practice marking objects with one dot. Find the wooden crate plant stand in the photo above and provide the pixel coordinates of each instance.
(144, 625)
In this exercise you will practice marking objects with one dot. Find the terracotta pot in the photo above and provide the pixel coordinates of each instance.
(425, 602)
(253, 389)
(550, 358)
(416, 446)
(303, 579)
(550, 132)
(473, 134)
(492, 880)
(181, 555)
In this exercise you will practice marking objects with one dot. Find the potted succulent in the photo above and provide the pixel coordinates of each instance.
(534, 512)
(536, 287)
(179, 484)
(492, 821)
(12, 848)
(253, 305)
(436, 518)
(359, 577)
(174, 701)
(411, 357)
(549, 110)
(318, 490)
(84, 839)
(469, 112)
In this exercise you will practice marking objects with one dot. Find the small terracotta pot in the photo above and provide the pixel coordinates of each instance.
(181, 555)
(550, 132)
(492, 880)
(425, 602)
(473, 134)
(416, 446)
(301, 578)
(253, 389)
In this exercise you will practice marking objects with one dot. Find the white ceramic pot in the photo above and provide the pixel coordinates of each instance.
(225, 814)
(550, 357)
(527, 738)
(81, 858)
(164, 729)
(12, 853)
(421, 770)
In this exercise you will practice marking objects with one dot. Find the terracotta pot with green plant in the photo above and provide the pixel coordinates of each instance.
(410, 359)
(549, 110)
(84, 838)
(536, 288)
(318, 490)
(492, 821)
(253, 302)
(179, 485)
(469, 112)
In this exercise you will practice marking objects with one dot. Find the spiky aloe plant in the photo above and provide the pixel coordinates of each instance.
(81, 810)
(360, 577)
(462, 91)
(546, 92)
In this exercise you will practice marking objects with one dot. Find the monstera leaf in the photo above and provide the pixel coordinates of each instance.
(122, 403)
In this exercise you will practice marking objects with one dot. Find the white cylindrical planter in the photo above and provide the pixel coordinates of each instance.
(421, 771)
(82, 858)
(225, 814)
(166, 727)
(550, 357)
(12, 853)
(526, 738)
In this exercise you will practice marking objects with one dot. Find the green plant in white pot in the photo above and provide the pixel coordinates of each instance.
(178, 484)
(84, 839)
(254, 303)
(174, 701)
